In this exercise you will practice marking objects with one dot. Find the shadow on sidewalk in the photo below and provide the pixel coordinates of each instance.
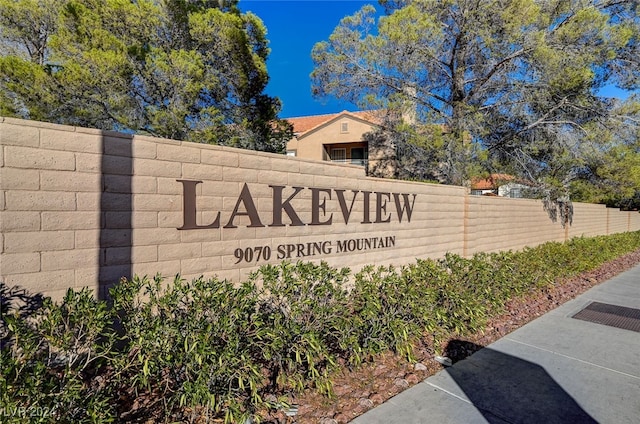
(505, 388)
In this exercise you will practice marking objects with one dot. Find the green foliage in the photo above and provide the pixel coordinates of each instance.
(191, 346)
(523, 79)
(392, 311)
(611, 174)
(181, 69)
(188, 351)
(53, 358)
(307, 326)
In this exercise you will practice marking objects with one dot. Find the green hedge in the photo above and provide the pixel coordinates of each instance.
(191, 350)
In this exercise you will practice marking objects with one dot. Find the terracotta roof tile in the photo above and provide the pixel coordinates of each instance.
(490, 183)
(303, 124)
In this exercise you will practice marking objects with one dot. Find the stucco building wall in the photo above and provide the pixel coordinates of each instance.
(312, 144)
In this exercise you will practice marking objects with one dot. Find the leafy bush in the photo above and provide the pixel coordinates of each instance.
(191, 348)
(52, 360)
(198, 350)
(384, 311)
(307, 324)
(461, 293)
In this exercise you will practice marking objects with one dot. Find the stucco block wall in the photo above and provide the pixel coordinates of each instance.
(588, 220)
(618, 221)
(82, 207)
(497, 223)
(50, 220)
(634, 220)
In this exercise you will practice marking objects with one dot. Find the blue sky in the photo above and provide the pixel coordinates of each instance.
(294, 26)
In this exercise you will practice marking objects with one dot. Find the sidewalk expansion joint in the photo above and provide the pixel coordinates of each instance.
(574, 358)
(482, 410)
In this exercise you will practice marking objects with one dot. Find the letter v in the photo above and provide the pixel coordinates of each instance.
(346, 213)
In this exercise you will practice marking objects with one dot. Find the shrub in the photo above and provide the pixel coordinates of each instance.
(191, 348)
(451, 291)
(53, 360)
(385, 311)
(207, 349)
(307, 324)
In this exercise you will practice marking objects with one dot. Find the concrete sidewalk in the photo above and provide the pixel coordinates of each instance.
(556, 369)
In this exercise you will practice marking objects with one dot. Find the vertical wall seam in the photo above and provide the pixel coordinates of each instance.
(465, 226)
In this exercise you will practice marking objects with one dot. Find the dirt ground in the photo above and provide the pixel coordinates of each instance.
(361, 389)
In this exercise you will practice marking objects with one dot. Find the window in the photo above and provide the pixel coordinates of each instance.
(338, 155)
(344, 127)
(516, 193)
(359, 156)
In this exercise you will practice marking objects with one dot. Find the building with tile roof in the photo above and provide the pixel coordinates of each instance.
(503, 185)
(336, 137)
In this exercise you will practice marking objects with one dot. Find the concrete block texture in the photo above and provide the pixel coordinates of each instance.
(38, 158)
(89, 162)
(70, 259)
(216, 155)
(67, 141)
(72, 181)
(29, 200)
(38, 241)
(157, 168)
(19, 221)
(183, 153)
(20, 263)
(19, 179)
(115, 146)
(49, 283)
(17, 134)
(83, 208)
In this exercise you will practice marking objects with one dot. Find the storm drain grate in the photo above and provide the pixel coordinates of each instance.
(611, 315)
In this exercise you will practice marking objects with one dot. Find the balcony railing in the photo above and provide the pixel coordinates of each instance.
(359, 162)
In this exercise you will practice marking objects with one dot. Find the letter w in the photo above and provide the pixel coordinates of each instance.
(400, 208)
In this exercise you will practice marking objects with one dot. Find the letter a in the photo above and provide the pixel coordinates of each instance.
(249, 207)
